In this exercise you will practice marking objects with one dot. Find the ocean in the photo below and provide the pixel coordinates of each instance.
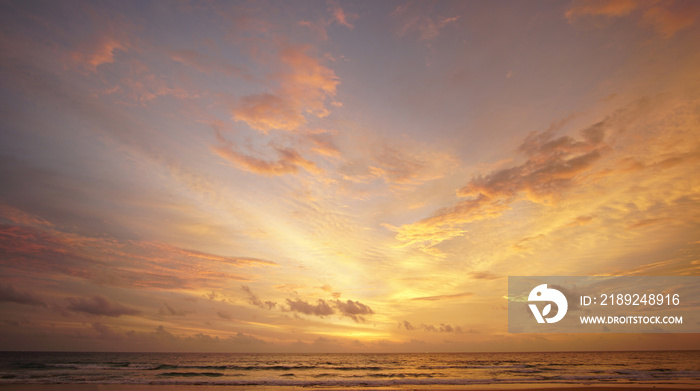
(355, 370)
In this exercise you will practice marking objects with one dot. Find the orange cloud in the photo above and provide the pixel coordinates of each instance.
(552, 166)
(601, 7)
(323, 144)
(403, 167)
(670, 17)
(400, 165)
(339, 15)
(309, 82)
(289, 161)
(267, 111)
(665, 17)
(303, 91)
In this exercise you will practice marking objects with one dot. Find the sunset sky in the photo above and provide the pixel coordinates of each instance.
(337, 176)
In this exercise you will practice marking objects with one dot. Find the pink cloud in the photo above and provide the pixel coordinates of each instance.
(99, 51)
(337, 15)
(340, 16)
(48, 251)
(421, 19)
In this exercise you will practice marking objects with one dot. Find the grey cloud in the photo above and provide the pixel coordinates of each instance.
(320, 309)
(167, 310)
(353, 309)
(443, 297)
(484, 276)
(246, 339)
(105, 331)
(9, 294)
(255, 300)
(224, 315)
(442, 328)
(98, 305)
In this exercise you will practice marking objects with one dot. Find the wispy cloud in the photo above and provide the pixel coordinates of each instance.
(552, 166)
(288, 162)
(340, 16)
(420, 18)
(48, 250)
(255, 300)
(337, 15)
(431, 328)
(444, 297)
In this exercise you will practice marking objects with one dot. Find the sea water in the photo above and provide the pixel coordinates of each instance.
(354, 370)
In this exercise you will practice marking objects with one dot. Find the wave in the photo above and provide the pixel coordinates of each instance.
(191, 374)
(266, 367)
(351, 371)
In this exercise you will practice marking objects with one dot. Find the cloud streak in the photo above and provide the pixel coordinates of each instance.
(443, 297)
(48, 250)
(289, 161)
